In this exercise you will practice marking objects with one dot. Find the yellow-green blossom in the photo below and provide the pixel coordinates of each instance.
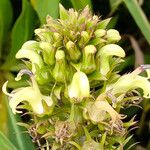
(79, 87)
(96, 111)
(32, 55)
(30, 94)
(105, 53)
(130, 82)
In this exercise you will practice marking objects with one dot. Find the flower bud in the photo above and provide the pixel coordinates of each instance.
(63, 12)
(59, 71)
(73, 51)
(100, 33)
(79, 87)
(84, 38)
(105, 53)
(112, 36)
(43, 75)
(88, 63)
(103, 24)
(48, 52)
(33, 56)
(44, 35)
(57, 39)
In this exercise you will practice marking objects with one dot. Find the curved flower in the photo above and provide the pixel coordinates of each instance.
(79, 87)
(31, 94)
(132, 81)
(32, 55)
(105, 53)
(97, 111)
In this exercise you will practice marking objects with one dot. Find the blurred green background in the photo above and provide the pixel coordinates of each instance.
(19, 18)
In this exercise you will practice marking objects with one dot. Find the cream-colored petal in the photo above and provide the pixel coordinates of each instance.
(48, 100)
(98, 110)
(79, 87)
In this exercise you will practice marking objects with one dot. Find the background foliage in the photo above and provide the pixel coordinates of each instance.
(18, 19)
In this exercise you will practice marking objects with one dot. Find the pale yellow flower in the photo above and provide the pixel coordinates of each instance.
(30, 94)
(79, 87)
(104, 55)
(130, 82)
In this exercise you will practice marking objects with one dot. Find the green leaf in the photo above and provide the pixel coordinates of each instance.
(63, 12)
(114, 4)
(139, 17)
(80, 4)
(5, 21)
(5, 144)
(16, 134)
(46, 7)
(22, 31)
(103, 24)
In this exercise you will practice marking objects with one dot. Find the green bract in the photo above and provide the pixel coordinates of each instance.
(76, 95)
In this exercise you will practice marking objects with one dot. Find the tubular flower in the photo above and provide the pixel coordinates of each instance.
(31, 94)
(105, 53)
(79, 87)
(88, 63)
(97, 111)
(132, 81)
(32, 55)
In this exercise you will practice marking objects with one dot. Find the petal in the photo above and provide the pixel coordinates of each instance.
(4, 89)
(79, 87)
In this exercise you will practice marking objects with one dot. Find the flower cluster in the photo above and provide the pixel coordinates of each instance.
(75, 59)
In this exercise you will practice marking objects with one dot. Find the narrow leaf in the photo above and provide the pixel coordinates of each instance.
(139, 17)
(17, 134)
(5, 144)
(5, 21)
(114, 4)
(22, 31)
(46, 7)
(103, 24)
(80, 4)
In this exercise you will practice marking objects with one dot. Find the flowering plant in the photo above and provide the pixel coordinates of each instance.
(75, 94)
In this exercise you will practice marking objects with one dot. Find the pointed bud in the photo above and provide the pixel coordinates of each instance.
(100, 33)
(33, 56)
(48, 52)
(84, 38)
(103, 24)
(63, 12)
(44, 35)
(113, 36)
(73, 51)
(79, 87)
(105, 53)
(59, 71)
(88, 63)
(57, 39)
